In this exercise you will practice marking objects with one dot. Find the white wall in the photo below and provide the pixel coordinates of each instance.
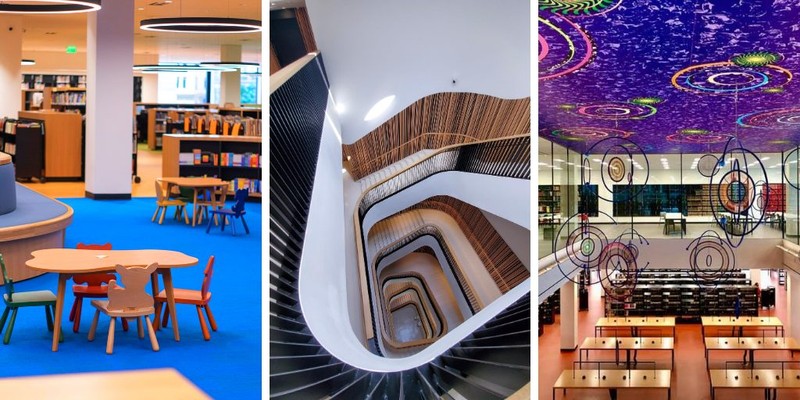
(413, 48)
(515, 236)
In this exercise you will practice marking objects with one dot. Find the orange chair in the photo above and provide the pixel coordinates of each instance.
(96, 287)
(200, 298)
(163, 202)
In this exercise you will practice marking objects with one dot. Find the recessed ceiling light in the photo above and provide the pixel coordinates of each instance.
(765, 158)
(558, 159)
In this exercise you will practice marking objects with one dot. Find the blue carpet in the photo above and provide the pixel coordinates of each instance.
(226, 367)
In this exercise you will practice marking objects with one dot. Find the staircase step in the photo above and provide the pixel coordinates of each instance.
(284, 309)
(293, 363)
(509, 327)
(290, 336)
(521, 337)
(285, 381)
(277, 348)
(357, 389)
(319, 389)
(470, 390)
(510, 377)
(513, 354)
(284, 323)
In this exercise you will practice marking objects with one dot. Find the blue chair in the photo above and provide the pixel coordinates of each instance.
(15, 300)
(237, 211)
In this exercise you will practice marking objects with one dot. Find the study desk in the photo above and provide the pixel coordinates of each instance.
(750, 345)
(767, 379)
(634, 323)
(742, 322)
(613, 379)
(669, 220)
(68, 262)
(196, 184)
(627, 344)
(162, 383)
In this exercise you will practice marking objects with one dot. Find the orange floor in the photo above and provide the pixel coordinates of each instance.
(689, 379)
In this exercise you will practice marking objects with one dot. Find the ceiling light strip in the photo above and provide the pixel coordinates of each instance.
(49, 6)
(201, 25)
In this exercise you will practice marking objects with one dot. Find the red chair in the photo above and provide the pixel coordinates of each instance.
(200, 298)
(96, 287)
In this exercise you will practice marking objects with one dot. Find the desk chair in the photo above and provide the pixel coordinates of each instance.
(96, 288)
(204, 203)
(15, 300)
(237, 211)
(199, 298)
(131, 301)
(163, 202)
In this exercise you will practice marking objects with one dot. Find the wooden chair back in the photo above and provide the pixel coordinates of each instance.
(132, 295)
(96, 278)
(209, 271)
(7, 282)
(160, 190)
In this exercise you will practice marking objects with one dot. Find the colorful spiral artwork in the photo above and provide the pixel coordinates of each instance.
(781, 118)
(710, 258)
(697, 136)
(728, 78)
(613, 110)
(563, 47)
(579, 7)
(587, 133)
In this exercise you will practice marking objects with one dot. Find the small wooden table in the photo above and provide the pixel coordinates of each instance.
(750, 345)
(633, 323)
(163, 383)
(627, 344)
(742, 322)
(614, 379)
(197, 184)
(767, 379)
(669, 220)
(68, 262)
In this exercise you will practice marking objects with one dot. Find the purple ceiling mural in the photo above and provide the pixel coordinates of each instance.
(670, 75)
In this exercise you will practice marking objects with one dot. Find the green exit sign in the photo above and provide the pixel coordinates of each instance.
(72, 49)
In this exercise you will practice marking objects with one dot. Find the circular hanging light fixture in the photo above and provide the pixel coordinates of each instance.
(26, 61)
(201, 25)
(231, 64)
(178, 68)
(49, 6)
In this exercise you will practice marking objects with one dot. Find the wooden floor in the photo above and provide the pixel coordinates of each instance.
(689, 380)
(148, 169)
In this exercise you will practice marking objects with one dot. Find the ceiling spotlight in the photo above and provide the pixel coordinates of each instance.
(201, 25)
(49, 6)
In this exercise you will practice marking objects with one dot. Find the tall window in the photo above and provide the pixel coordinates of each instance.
(182, 87)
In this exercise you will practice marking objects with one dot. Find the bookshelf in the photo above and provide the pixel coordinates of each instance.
(252, 112)
(63, 143)
(24, 142)
(777, 197)
(549, 202)
(675, 293)
(166, 120)
(29, 99)
(236, 159)
(65, 98)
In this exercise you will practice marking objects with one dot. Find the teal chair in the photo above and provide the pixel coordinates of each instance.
(15, 300)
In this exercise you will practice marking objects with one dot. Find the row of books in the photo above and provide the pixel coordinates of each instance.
(9, 148)
(10, 125)
(69, 98)
(227, 159)
(252, 185)
(226, 125)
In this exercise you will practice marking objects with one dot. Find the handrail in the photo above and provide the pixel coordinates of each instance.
(280, 77)
(362, 208)
(362, 168)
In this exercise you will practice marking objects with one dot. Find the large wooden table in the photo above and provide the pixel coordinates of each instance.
(627, 343)
(164, 383)
(613, 379)
(742, 322)
(197, 184)
(68, 262)
(633, 323)
(767, 379)
(750, 345)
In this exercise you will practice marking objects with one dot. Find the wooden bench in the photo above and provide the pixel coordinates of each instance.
(613, 379)
(627, 344)
(767, 379)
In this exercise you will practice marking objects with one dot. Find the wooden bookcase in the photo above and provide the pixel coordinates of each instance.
(63, 154)
(166, 120)
(179, 149)
(65, 99)
(241, 112)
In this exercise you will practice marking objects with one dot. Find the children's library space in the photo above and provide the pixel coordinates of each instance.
(668, 229)
(131, 199)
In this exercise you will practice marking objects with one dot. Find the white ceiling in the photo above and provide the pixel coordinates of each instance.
(53, 33)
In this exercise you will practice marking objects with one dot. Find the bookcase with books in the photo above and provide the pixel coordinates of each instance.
(236, 159)
(24, 142)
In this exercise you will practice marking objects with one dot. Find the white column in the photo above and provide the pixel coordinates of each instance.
(569, 316)
(109, 102)
(230, 88)
(10, 69)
